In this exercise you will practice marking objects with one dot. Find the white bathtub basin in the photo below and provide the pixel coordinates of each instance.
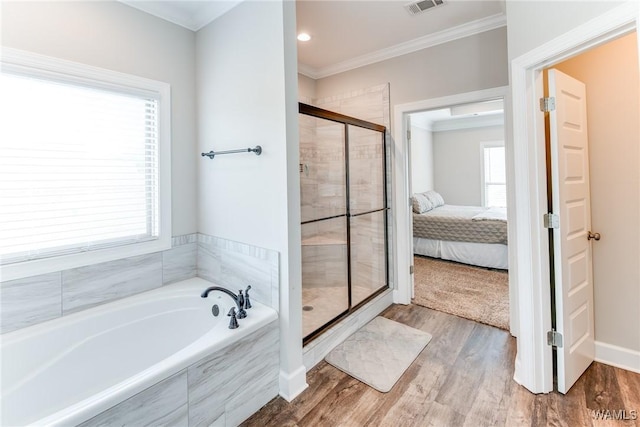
(67, 370)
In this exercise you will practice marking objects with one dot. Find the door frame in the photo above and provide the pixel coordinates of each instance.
(534, 364)
(401, 198)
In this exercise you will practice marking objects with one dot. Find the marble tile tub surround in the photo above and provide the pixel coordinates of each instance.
(25, 302)
(222, 389)
(235, 265)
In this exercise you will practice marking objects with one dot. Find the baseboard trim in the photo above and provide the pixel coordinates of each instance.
(291, 385)
(619, 357)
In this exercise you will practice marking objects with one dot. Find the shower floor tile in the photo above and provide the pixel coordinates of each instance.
(326, 304)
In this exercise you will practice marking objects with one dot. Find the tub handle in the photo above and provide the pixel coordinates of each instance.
(241, 313)
(233, 322)
(247, 301)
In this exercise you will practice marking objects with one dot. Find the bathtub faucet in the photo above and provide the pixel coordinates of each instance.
(238, 299)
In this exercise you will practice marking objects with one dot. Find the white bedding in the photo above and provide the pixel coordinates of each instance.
(491, 255)
(492, 214)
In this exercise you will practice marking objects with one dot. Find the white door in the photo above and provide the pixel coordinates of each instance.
(571, 241)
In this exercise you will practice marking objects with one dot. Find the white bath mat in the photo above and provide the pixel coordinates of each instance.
(379, 353)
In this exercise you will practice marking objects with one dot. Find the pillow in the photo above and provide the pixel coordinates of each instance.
(421, 203)
(434, 197)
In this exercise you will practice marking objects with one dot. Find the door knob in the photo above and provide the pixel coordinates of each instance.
(594, 236)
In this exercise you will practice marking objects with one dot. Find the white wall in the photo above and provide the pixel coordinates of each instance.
(421, 160)
(241, 196)
(247, 95)
(457, 159)
(610, 73)
(464, 65)
(117, 37)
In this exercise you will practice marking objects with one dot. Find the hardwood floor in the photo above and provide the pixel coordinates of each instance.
(462, 378)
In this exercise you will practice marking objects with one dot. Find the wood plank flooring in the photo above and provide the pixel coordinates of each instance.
(462, 378)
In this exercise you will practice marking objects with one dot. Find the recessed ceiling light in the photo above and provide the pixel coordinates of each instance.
(304, 37)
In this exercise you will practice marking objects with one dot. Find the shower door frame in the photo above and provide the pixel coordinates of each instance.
(347, 121)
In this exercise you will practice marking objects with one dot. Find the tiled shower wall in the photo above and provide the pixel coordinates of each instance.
(28, 301)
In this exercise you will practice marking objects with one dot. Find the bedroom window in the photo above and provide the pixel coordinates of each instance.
(494, 182)
(83, 165)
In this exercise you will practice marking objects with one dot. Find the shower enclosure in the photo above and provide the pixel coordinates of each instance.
(344, 215)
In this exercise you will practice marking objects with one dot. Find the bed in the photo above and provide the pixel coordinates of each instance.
(467, 234)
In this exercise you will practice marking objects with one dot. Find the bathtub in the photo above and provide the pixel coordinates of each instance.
(66, 371)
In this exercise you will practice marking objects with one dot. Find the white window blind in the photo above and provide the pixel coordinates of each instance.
(79, 167)
(495, 181)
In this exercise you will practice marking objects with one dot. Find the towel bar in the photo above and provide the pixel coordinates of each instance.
(212, 154)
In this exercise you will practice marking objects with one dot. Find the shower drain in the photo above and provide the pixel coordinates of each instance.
(307, 308)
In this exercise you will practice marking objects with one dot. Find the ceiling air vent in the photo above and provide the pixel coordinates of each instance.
(415, 8)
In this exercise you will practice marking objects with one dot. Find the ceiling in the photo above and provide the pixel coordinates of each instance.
(463, 116)
(351, 33)
(347, 34)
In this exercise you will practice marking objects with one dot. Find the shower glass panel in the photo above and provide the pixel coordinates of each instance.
(322, 169)
(325, 277)
(366, 170)
(344, 215)
(367, 212)
(368, 258)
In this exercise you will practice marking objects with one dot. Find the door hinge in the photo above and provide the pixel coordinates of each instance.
(551, 220)
(409, 135)
(547, 104)
(554, 338)
(411, 269)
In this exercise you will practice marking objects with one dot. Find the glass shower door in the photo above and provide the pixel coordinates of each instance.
(325, 290)
(344, 215)
(367, 212)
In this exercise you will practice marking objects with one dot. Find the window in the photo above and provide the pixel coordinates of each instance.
(81, 176)
(494, 182)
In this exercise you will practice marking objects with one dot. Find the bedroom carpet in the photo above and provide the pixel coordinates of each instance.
(474, 293)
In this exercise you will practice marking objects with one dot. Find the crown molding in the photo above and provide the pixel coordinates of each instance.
(465, 30)
(192, 19)
(308, 71)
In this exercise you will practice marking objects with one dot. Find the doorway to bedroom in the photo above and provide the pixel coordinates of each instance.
(457, 182)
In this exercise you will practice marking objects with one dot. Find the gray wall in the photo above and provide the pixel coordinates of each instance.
(457, 160)
(421, 160)
(306, 88)
(465, 65)
(117, 37)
